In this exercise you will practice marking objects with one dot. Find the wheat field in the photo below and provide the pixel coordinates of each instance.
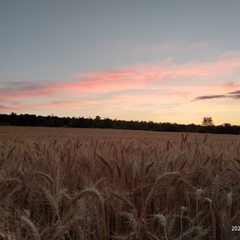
(75, 184)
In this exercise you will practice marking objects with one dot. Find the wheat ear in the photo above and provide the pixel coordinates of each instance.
(162, 219)
(30, 226)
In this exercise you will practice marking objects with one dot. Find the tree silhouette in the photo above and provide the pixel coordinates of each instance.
(207, 121)
(207, 125)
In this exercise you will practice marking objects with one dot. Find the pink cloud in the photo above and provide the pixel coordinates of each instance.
(205, 70)
(66, 104)
(150, 73)
(56, 105)
(25, 90)
(173, 83)
(136, 77)
(4, 108)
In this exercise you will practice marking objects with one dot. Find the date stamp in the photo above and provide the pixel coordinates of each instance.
(236, 228)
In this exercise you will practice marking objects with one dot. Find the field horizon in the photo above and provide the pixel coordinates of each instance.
(105, 131)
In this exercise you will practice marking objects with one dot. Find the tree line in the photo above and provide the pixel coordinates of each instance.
(14, 119)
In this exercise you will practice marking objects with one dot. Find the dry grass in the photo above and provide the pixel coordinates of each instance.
(111, 184)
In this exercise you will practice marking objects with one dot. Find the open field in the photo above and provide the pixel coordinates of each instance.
(61, 183)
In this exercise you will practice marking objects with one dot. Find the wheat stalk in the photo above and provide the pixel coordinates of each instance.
(30, 226)
(229, 203)
(95, 192)
(213, 217)
(52, 202)
(46, 176)
(162, 219)
(197, 198)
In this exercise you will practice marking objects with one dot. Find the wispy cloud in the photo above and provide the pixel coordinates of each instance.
(173, 45)
(151, 74)
(56, 105)
(66, 104)
(235, 92)
(16, 90)
(4, 108)
(161, 83)
(233, 95)
(202, 45)
(209, 97)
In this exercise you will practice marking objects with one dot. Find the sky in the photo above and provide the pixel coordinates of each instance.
(156, 60)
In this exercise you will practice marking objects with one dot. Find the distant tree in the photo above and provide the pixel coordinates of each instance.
(97, 118)
(226, 125)
(108, 123)
(13, 119)
(207, 121)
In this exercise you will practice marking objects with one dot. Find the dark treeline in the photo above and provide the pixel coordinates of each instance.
(14, 119)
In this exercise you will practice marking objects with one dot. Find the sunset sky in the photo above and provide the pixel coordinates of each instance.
(157, 60)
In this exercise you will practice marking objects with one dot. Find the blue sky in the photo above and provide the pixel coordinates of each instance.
(175, 61)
